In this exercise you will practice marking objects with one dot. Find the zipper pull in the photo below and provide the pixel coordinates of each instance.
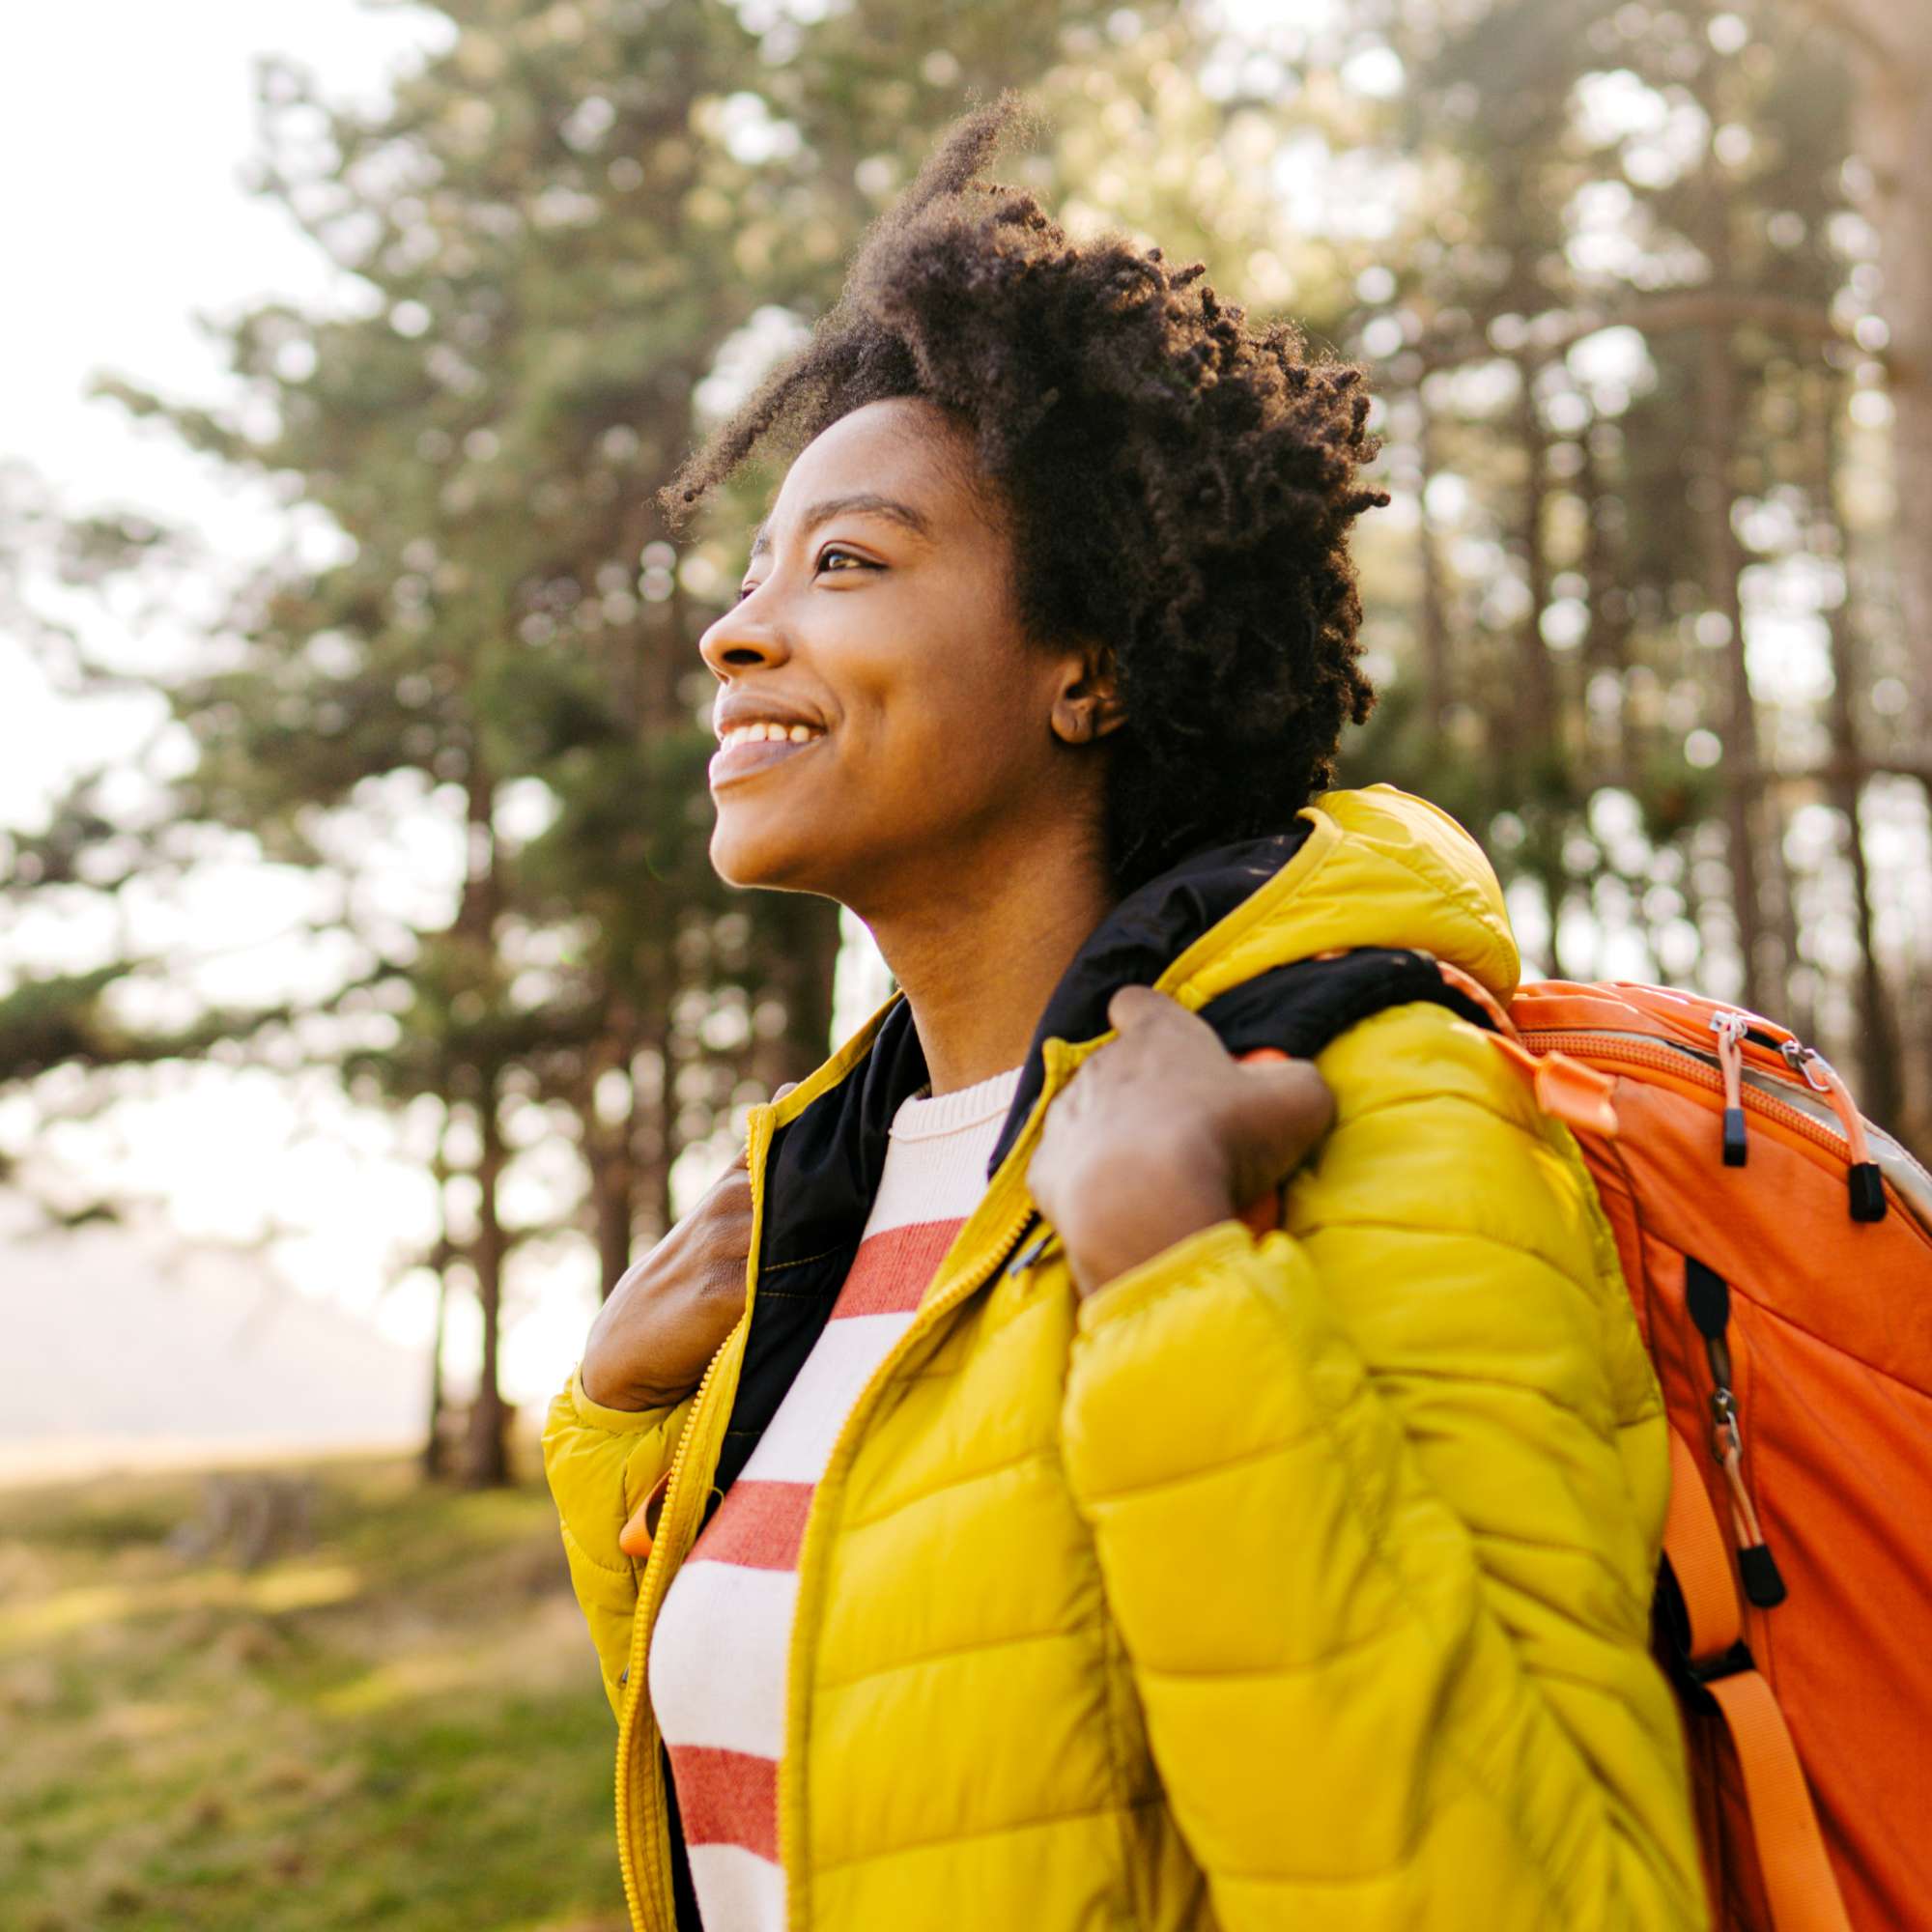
(1863, 1178)
(1730, 1029)
(1757, 1566)
(1707, 1298)
(1026, 1257)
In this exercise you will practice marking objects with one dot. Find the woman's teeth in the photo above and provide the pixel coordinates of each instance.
(758, 734)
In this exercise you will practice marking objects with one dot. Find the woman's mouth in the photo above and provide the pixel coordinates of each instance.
(747, 749)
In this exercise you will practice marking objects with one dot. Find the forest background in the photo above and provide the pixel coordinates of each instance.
(386, 839)
(1647, 292)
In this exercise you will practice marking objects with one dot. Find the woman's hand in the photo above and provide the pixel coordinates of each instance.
(1163, 1133)
(656, 1335)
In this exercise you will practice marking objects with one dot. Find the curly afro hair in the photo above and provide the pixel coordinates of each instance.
(1179, 484)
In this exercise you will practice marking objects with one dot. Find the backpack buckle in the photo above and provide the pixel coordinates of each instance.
(1693, 1674)
(1672, 1630)
(1726, 1663)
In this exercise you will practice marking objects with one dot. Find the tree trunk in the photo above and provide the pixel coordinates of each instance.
(813, 961)
(435, 1459)
(610, 1187)
(487, 1461)
(655, 1138)
(1436, 673)
(1723, 562)
(1880, 1072)
(1606, 642)
(1893, 133)
(610, 1148)
(1536, 698)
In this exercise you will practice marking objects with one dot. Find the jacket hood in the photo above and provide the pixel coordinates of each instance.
(1375, 868)
(1371, 869)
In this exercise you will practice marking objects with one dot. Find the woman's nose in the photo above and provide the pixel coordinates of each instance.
(742, 638)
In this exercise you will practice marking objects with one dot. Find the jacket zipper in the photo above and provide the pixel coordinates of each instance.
(845, 1446)
(842, 1451)
(636, 1726)
(636, 1712)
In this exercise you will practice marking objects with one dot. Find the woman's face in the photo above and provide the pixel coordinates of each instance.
(902, 731)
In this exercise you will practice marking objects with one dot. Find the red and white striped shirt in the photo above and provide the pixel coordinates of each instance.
(718, 1653)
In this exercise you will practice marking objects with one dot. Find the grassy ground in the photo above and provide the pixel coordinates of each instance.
(398, 1727)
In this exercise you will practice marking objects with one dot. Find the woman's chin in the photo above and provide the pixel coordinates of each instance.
(762, 856)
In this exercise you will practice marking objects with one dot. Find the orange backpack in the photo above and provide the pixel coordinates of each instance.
(1778, 1251)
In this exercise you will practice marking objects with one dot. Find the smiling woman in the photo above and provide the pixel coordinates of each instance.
(1066, 1476)
(897, 723)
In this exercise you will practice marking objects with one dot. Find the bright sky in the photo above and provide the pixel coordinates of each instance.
(123, 132)
(124, 128)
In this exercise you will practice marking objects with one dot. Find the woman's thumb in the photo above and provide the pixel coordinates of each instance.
(1296, 1106)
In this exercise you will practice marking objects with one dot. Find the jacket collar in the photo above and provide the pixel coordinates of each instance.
(1363, 877)
(1135, 944)
(823, 1166)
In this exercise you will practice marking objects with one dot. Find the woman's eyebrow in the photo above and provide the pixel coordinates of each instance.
(866, 500)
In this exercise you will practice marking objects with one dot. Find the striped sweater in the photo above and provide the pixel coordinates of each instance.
(718, 1653)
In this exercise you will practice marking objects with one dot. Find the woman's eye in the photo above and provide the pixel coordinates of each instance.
(830, 550)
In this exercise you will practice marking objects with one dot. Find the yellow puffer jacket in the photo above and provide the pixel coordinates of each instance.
(1299, 1581)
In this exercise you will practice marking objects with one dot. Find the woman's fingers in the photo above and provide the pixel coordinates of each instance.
(1291, 1109)
(1266, 1112)
(1134, 1007)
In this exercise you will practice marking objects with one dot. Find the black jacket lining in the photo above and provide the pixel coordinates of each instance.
(1137, 942)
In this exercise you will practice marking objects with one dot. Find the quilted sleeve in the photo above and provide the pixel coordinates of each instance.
(601, 1463)
(1373, 1547)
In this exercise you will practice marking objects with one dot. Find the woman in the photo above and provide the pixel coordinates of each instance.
(1031, 1545)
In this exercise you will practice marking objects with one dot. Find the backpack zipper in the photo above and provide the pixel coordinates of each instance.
(1701, 1068)
(1845, 1139)
(1707, 1300)
(1867, 1184)
(1731, 1029)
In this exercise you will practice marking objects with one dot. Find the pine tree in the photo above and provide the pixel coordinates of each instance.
(546, 240)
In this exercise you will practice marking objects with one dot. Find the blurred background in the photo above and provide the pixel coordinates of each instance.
(366, 998)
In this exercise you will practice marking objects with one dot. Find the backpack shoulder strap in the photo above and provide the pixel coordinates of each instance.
(1715, 1669)
(1299, 1008)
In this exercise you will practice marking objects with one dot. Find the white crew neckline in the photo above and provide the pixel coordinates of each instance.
(924, 1117)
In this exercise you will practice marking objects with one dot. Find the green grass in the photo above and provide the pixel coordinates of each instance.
(399, 1725)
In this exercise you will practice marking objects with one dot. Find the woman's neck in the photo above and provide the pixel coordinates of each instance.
(979, 961)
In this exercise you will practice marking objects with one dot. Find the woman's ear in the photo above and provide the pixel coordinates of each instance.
(1089, 704)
